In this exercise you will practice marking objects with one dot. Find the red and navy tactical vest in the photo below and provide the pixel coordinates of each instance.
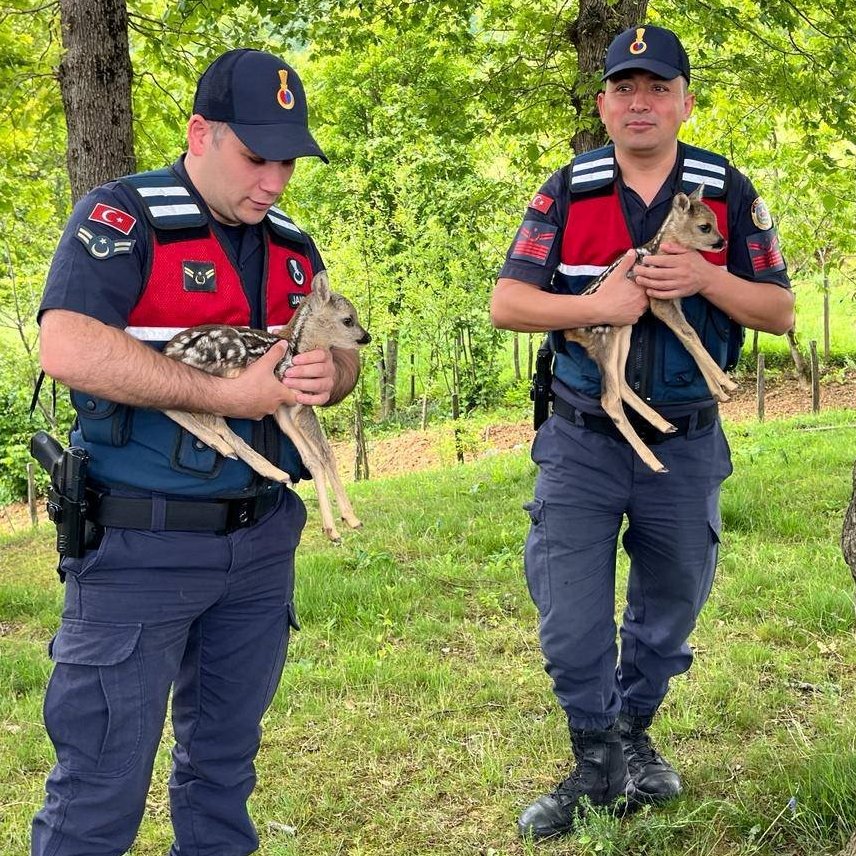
(191, 281)
(595, 234)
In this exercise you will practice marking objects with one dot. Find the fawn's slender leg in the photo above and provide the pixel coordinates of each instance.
(607, 355)
(222, 439)
(628, 395)
(310, 457)
(198, 425)
(308, 424)
(671, 314)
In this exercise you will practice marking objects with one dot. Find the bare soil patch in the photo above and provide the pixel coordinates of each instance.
(412, 451)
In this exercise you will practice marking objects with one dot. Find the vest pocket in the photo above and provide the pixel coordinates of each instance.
(102, 421)
(194, 457)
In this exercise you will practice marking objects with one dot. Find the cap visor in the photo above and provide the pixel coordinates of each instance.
(278, 142)
(667, 72)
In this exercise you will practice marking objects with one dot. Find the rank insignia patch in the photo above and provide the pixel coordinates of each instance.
(294, 299)
(199, 276)
(764, 252)
(121, 221)
(102, 247)
(295, 270)
(533, 242)
(541, 202)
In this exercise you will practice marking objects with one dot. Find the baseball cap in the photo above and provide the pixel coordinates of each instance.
(262, 100)
(649, 48)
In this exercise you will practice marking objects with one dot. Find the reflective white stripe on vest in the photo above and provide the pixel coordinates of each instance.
(153, 334)
(582, 270)
(172, 190)
(595, 164)
(587, 177)
(710, 167)
(706, 180)
(173, 210)
(286, 224)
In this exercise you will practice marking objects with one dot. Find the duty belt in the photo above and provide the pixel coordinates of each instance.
(222, 516)
(649, 434)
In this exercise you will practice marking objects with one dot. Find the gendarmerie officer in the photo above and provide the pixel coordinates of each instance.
(582, 218)
(188, 584)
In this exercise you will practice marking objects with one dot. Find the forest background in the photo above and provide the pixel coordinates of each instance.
(441, 120)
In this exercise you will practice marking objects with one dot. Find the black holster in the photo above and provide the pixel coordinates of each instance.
(540, 392)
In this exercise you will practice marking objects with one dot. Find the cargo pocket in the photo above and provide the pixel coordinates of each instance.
(706, 580)
(93, 704)
(536, 557)
(279, 663)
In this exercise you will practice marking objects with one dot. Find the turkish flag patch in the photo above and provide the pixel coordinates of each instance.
(541, 202)
(765, 253)
(122, 221)
(533, 242)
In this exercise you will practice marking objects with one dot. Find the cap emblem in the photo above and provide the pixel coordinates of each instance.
(639, 45)
(284, 96)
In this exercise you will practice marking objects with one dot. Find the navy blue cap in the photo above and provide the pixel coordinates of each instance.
(648, 48)
(262, 100)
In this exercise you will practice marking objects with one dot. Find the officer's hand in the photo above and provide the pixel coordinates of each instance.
(621, 301)
(311, 376)
(673, 272)
(257, 392)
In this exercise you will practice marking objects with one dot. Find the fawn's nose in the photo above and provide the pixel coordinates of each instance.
(365, 339)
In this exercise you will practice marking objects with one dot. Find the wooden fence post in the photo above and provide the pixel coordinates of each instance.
(760, 386)
(815, 377)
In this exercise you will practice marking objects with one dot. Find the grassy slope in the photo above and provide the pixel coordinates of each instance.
(414, 715)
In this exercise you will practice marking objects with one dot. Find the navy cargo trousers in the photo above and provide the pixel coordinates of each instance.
(587, 483)
(207, 615)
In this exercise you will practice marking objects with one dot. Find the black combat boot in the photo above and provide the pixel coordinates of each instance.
(600, 775)
(654, 778)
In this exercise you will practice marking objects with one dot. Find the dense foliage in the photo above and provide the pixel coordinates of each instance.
(441, 120)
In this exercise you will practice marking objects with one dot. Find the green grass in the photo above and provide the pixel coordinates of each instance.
(414, 715)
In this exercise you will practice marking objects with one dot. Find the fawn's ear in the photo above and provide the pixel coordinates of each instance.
(321, 285)
(698, 192)
(681, 203)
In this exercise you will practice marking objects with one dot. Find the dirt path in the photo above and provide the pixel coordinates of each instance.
(419, 450)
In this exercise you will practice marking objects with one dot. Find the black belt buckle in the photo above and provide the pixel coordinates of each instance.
(241, 513)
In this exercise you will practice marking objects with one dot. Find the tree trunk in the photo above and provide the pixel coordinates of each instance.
(95, 84)
(361, 454)
(516, 343)
(848, 531)
(848, 548)
(596, 25)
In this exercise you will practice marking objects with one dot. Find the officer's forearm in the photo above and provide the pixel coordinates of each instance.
(92, 357)
(761, 306)
(524, 307)
(347, 364)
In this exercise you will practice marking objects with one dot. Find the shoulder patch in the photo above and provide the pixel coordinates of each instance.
(761, 216)
(765, 253)
(533, 242)
(102, 247)
(541, 202)
(120, 220)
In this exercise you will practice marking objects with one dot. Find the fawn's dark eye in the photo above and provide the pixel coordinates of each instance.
(348, 322)
(704, 228)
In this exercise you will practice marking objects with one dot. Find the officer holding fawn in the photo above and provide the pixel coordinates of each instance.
(582, 218)
(188, 580)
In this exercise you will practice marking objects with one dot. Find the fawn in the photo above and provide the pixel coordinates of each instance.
(691, 224)
(323, 320)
